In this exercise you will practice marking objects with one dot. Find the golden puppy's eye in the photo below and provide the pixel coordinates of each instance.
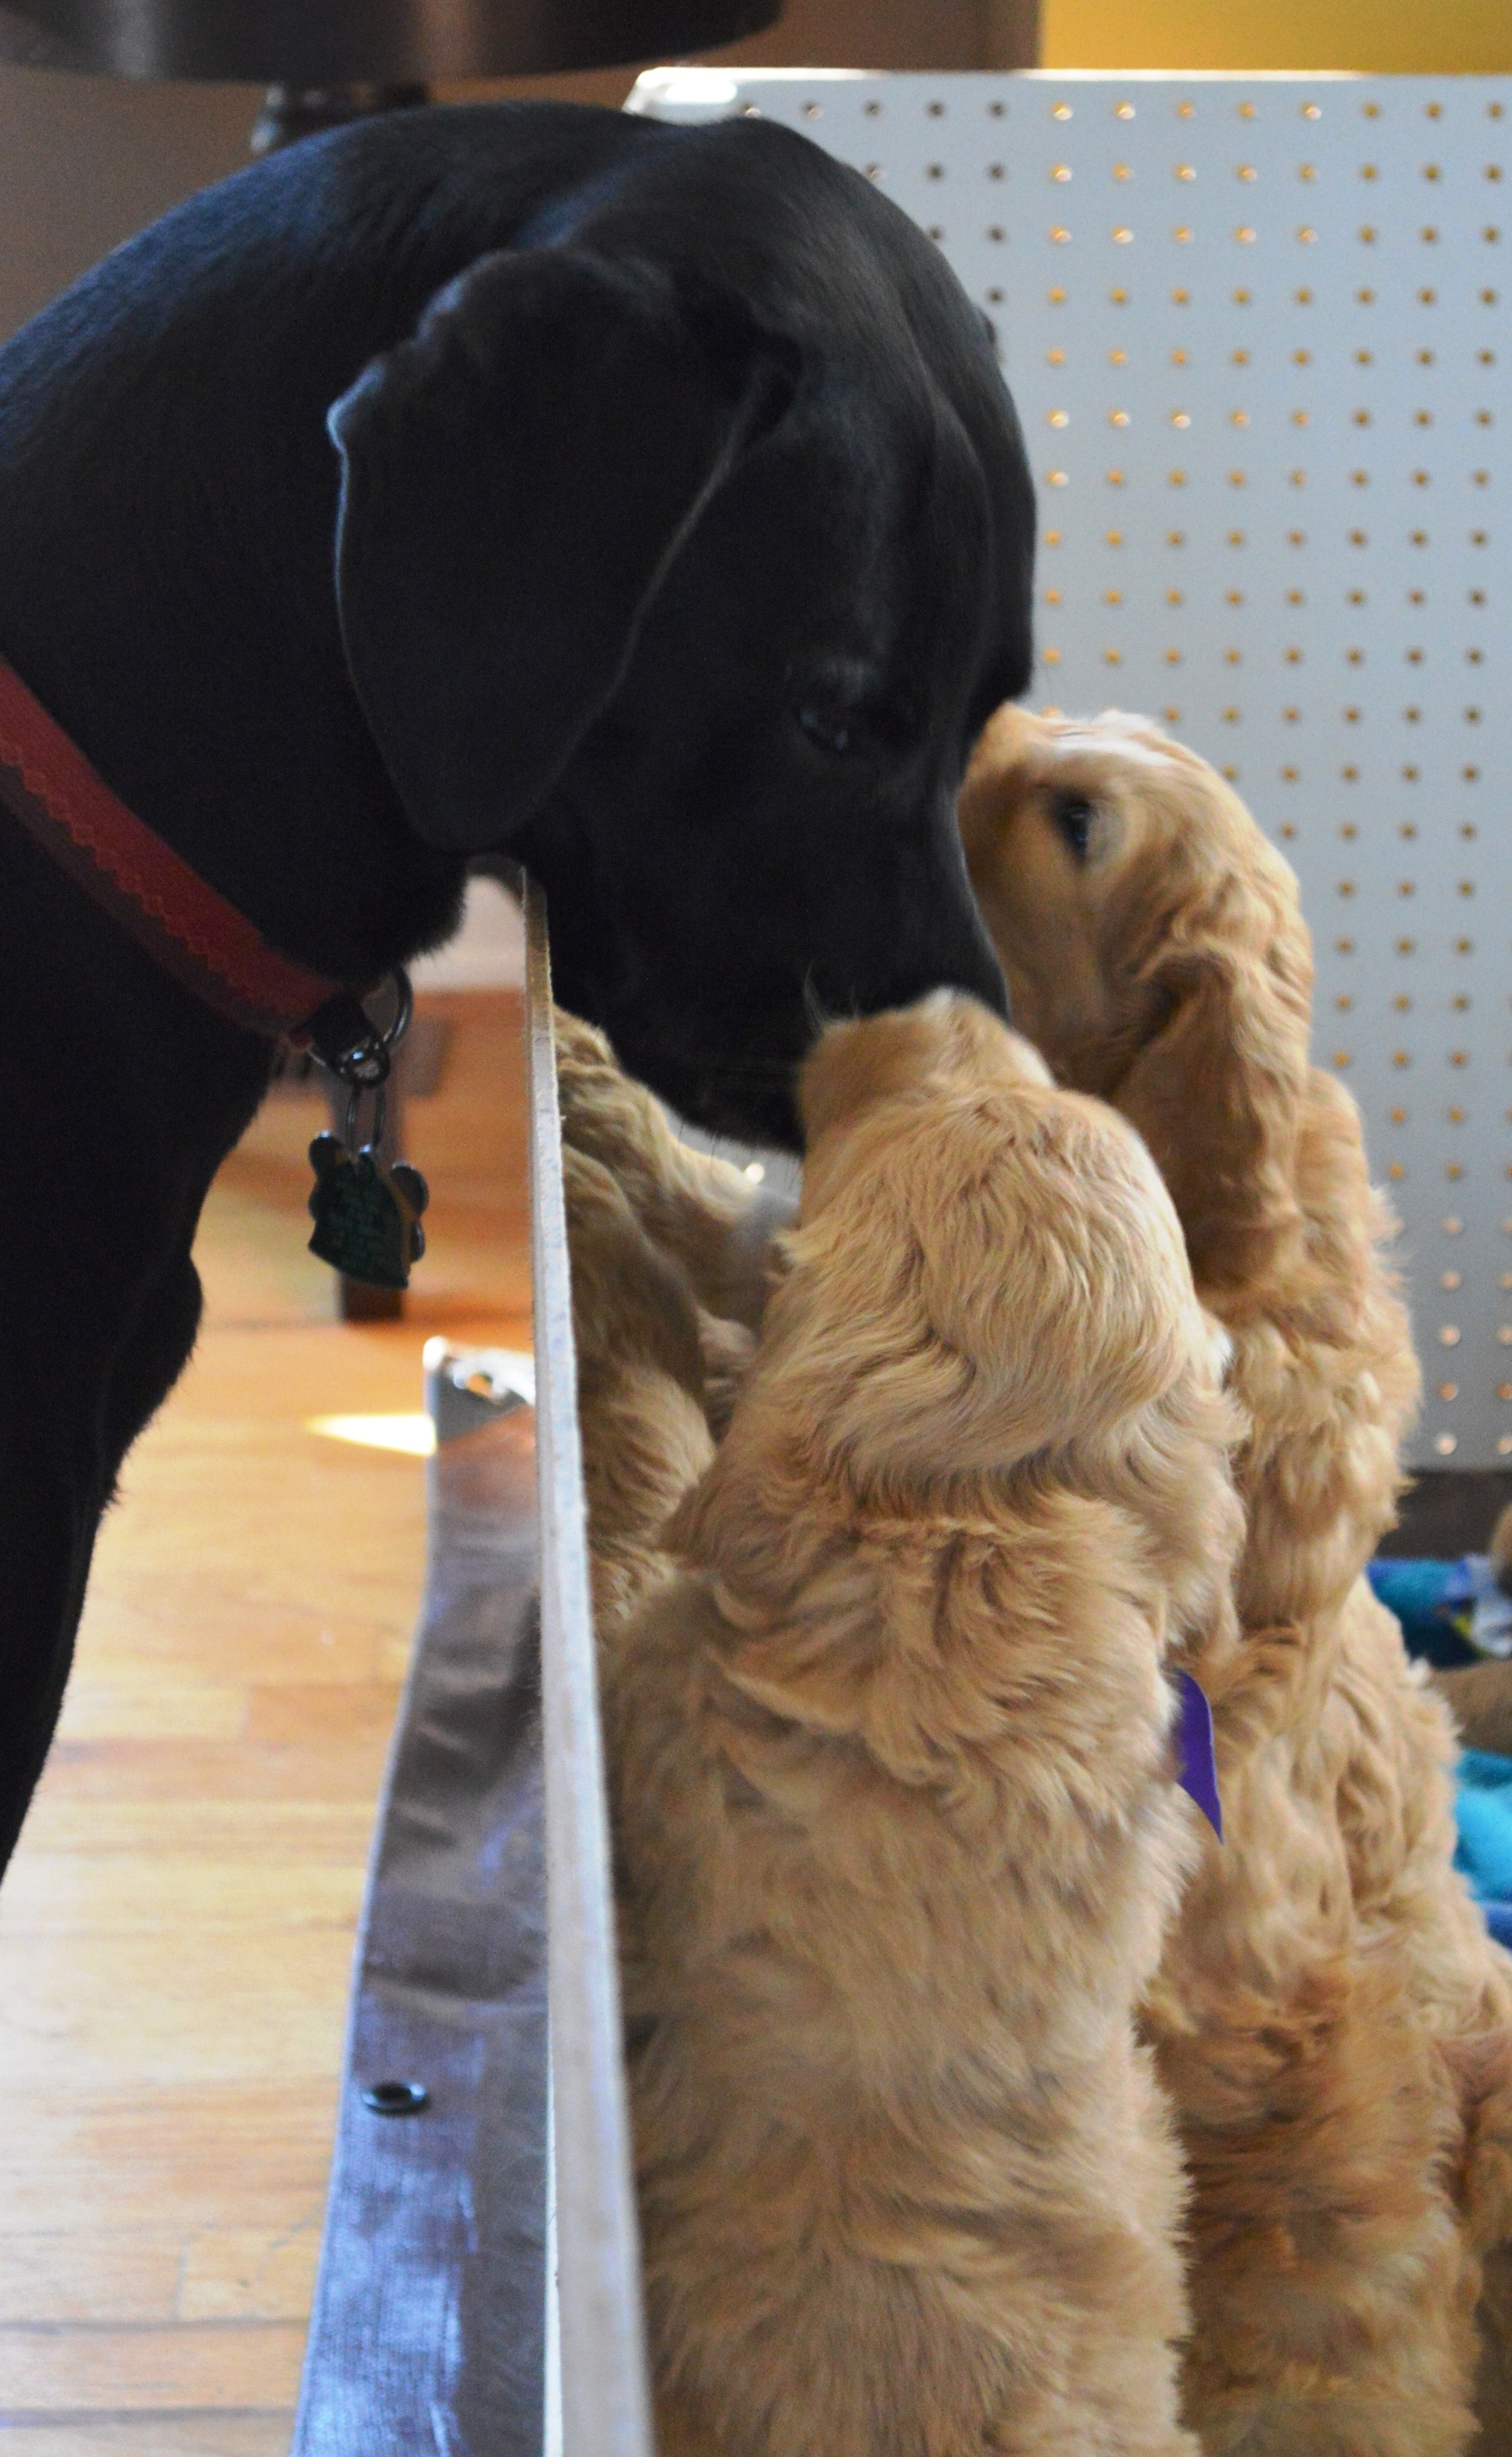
(1073, 818)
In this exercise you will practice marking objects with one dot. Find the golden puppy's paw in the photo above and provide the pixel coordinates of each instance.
(702, 1211)
(604, 1111)
(728, 1349)
(631, 1303)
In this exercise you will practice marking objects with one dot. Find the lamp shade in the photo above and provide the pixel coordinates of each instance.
(317, 43)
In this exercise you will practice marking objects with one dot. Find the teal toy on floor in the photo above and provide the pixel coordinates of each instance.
(1452, 1614)
(1483, 1815)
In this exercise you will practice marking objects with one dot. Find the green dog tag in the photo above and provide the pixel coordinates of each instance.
(367, 1217)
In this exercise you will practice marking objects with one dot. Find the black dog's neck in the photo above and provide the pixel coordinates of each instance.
(166, 527)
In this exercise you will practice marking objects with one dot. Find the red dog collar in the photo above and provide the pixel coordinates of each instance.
(208, 946)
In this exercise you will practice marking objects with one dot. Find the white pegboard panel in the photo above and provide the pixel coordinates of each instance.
(1257, 329)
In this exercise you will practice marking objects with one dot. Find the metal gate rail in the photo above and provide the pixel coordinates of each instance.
(605, 2404)
(442, 2322)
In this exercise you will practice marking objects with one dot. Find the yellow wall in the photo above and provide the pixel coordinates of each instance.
(1430, 38)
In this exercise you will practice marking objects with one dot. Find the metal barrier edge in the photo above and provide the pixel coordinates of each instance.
(605, 2399)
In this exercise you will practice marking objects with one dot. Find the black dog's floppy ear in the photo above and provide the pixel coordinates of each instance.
(516, 480)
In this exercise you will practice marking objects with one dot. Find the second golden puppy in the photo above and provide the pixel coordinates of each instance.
(1333, 2022)
(896, 1831)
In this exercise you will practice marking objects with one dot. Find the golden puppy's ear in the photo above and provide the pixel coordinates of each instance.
(1216, 1094)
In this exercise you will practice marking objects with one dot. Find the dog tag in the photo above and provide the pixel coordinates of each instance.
(367, 1217)
(1196, 1763)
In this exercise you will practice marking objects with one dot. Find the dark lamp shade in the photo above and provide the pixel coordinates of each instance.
(315, 43)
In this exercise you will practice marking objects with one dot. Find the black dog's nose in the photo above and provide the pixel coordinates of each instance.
(982, 975)
(943, 943)
(968, 962)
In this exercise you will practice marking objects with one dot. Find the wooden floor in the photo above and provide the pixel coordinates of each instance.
(175, 1932)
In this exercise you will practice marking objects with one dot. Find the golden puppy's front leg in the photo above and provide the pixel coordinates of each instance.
(703, 1212)
(642, 1392)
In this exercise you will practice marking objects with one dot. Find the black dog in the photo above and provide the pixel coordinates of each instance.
(676, 542)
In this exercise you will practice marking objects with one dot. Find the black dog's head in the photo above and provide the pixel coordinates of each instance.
(683, 552)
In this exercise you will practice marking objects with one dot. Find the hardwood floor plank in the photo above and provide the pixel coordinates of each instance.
(104, 2276)
(214, 2005)
(156, 1634)
(249, 2274)
(151, 2435)
(97, 1709)
(248, 2153)
(311, 1833)
(84, 1893)
(148, 1771)
(208, 2363)
(305, 1714)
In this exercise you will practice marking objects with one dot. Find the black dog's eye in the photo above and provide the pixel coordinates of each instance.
(834, 730)
(1075, 820)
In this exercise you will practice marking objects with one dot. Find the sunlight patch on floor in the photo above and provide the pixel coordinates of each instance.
(414, 1434)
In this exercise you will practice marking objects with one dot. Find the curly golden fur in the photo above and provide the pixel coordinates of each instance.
(641, 1387)
(1331, 2018)
(897, 1833)
(705, 1216)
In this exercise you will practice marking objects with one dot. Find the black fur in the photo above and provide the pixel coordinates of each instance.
(685, 540)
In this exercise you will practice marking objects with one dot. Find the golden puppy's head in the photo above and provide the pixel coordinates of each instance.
(986, 1270)
(1155, 951)
(910, 1054)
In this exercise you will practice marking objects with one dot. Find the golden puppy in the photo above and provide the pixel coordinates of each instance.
(1331, 2015)
(897, 1833)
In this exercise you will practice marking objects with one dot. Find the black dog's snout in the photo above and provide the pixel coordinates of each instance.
(955, 955)
(979, 981)
(983, 980)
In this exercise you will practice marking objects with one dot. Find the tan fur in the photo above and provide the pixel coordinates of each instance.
(655, 1226)
(640, 1389)
(896, 1829)
(1331, 2016)
(704, 1215)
